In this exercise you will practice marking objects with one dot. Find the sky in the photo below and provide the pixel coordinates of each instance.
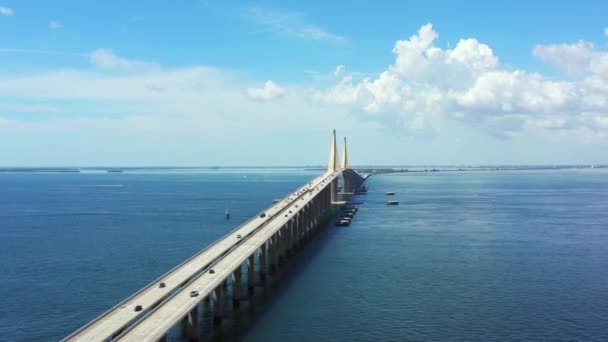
(239, 83)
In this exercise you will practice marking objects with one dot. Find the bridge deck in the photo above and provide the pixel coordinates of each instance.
(151, 297)
(156, 325)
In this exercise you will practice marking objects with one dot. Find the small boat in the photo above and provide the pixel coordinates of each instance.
(342, 223)
(390, 193)
(227, 214)
(392, 202)
(276, 201)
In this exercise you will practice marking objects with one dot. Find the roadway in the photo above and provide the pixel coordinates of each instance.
(152, 296)
(156, 324)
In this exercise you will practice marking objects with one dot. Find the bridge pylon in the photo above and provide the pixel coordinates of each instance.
(333, 154)
(344, 156)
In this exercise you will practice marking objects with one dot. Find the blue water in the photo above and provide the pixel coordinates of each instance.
(475, 256)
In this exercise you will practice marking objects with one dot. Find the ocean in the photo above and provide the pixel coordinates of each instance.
(465, 256)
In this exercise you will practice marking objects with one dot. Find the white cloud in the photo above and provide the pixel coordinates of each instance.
(579, 59)
(291, 24)
(142, 116)
(127, 112)
(6, 11)
(427, 84)
(339, 70)
(269, 91)
(571, 58)
(54, 25)
(106, 59)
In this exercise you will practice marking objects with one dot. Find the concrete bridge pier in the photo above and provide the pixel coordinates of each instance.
(290, 227)
(218, 305)
(297, 232)
(262, 255)
(274, 252)
(293, 241)
(190, 326)
(310, 218)
(236, 287)
(251, 274)
(334, 190)
(283, 243)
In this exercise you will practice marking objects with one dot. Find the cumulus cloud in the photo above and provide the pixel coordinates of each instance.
(269, 91)
(468, 84)
(55, 25)
(6, 11)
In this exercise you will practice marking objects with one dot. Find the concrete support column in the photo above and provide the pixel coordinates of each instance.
(294, 230)
(334, 190)
(288, 234)
(274, 252)
(300, 227)
(193, 333)
(281, 241)
(263, 261)
(251, 273)
(236, 286)
(317, 212)
(285, 239)
(313, 215)
(218, 305)
(348, 184)
(345, 183)
(306, 224)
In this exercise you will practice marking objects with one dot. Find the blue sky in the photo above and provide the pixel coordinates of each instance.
(263, 83)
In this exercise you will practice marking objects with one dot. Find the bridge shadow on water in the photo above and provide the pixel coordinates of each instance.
(238, 322)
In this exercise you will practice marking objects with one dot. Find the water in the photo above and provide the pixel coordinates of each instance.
(475, 256)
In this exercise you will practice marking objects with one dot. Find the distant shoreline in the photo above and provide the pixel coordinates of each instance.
(363, 169)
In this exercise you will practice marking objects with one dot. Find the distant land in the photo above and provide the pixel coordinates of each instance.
(376, 170)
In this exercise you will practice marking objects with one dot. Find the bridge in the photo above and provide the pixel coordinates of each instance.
(270, 237)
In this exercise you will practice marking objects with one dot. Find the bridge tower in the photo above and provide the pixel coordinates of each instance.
(344, 156)
(333, 166)
(333, 154)
(346, 184)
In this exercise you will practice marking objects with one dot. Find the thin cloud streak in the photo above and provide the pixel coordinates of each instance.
(292, 24)
(55, 25)
(6, 11)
